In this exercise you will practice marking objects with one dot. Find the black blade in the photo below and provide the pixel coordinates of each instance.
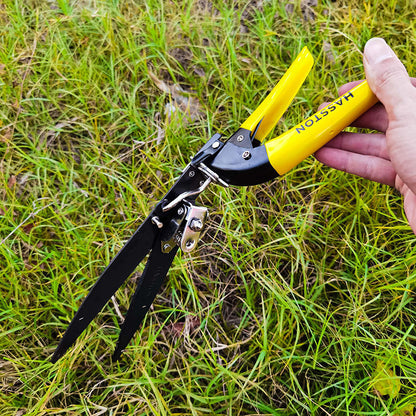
(124, 263)
(110, 280)
(148, 286)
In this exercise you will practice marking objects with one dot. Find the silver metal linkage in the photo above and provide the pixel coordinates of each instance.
(195, 221)
(188, 228)
(184, 195)
(211, 177)
(211, 174)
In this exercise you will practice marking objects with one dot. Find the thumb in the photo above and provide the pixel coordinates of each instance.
(388, 79)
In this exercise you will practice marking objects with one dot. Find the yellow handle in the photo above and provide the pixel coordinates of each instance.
(295, 145)
(275, 104)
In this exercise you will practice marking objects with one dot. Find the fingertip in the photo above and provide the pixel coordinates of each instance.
(323, 105)
(348, 86)
(323, 155)
(377, 51)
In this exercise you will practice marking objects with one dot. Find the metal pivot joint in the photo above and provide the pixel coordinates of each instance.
(195, 222)
(242, 161)
(184, 229)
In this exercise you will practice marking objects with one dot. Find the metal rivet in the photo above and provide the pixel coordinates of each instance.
(240, 138)
(166, 247)
(246, 155)
(180, 211)
(191, 173)
(215, 145)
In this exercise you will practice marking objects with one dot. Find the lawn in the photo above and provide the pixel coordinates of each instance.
(299, 299)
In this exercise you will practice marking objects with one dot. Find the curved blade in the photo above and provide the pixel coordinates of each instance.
(107, 284)
(148, 286)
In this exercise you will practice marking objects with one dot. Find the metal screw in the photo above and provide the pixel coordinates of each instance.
(166, 247)
(180, 211)
(191, 173)
(215, 145)
(246, 155)
(190, 243)
(240, 138)
(196, 224)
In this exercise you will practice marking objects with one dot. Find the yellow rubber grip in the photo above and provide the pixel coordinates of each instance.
(295, 145)
(275, 104)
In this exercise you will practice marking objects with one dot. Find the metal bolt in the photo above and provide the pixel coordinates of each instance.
(215, 145)
(156, 221)
(240, 138)
(180, 211)
(196, 224)
(191, 173)
(246, 155)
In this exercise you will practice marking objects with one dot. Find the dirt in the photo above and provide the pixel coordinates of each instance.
(306, 9)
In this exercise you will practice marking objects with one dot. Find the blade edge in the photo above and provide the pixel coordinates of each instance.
(114, 275)
(148, 287)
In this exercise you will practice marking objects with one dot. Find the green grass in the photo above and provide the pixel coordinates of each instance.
(298, 288)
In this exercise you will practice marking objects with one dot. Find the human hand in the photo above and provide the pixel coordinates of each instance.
(388, 157)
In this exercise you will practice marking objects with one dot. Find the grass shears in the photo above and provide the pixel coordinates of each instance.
(241, 160)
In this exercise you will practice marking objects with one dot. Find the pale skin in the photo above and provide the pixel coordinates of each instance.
(387, 157)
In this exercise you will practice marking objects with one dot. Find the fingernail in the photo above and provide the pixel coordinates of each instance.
(376, 51)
